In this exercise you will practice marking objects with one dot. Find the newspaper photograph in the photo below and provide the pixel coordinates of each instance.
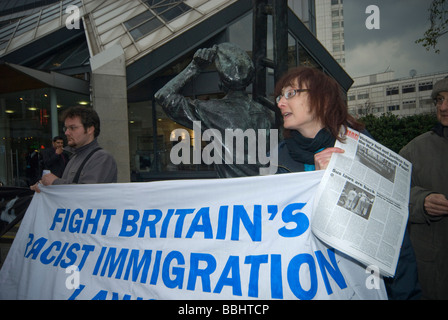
(361, 205)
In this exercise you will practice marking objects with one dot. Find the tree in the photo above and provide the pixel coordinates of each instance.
(395, 132)
(366, 108)
(438, 17)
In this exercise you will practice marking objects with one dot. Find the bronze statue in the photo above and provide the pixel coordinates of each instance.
(236, 112)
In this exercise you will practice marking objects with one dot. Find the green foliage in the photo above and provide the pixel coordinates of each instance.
(394, 132)
(438, 17)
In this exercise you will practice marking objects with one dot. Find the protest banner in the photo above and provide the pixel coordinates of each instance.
(238, 238)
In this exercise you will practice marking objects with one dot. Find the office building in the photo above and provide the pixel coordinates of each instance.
(381, 93)
(325, 19)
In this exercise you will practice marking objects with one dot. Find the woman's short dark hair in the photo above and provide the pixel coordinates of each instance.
(88, 117)
(327, 101)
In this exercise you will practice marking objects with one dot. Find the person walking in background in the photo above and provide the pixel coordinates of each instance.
(55, 159)
(428, 208)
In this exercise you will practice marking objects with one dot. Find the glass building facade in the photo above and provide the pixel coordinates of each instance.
(159, 39)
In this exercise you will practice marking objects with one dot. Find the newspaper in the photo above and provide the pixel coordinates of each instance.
(361, 205)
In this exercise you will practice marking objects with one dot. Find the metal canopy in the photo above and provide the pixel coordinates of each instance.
(167, 52)
(106, 23)
(18, 78)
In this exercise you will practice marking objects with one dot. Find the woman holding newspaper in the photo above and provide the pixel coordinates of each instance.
(315, 115)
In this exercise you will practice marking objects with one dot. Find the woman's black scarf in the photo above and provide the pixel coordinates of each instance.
(302, 149)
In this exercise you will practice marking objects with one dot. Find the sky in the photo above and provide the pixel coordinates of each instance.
(392, 46)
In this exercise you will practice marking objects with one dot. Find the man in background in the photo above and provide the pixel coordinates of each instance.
(89, 163)
(428, 208)
(54, 158)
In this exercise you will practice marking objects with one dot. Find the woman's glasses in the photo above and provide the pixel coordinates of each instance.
(289, 94)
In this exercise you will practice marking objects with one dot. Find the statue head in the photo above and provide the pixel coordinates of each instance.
(234, 66)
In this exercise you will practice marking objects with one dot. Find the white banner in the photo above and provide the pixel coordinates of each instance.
(239, 238)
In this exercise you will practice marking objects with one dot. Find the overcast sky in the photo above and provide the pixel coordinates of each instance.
(393, 45)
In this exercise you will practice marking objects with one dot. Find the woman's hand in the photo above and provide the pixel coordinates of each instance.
(321, 159)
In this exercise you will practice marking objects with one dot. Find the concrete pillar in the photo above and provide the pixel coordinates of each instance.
(54, 113)
(109, 95)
